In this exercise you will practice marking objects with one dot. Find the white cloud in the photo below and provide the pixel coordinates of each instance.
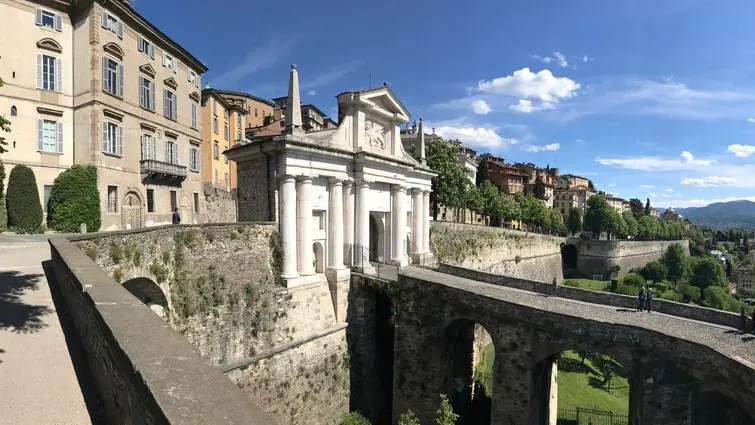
(586, 58)
(476, 137)
(751, 120)
(580, 141)
(710, 181)
(262, 57)
(561, 60)
(647, 186)
(330, 75)
(669, 190)
(558, 57)
(528, 86)
(742, 151)
(480, 107)
(311, 93)
(687, 161)
(543, 59)
(543, 148)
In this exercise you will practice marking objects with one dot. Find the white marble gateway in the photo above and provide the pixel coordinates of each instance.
(344, 198)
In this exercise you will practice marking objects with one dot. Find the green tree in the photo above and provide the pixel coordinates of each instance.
(708, 271)
(24, 209)
(75, 200)
(574, 222)
(450, 185)
(489, 193)
(474, 200)
(408, 418)
(533, 212)
(3, 213)
(689, 293)
(675, 262)
(4, 127)
(483, 174)
(646, 228)
(354, 418)
(655, 271)
(631, 221)
(539, 190)
(445, 414)
(720, 298)
(636, 208)
(507, 208)
(647, 207)
(556, 221)
(597, 216)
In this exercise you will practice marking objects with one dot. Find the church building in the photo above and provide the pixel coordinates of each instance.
(343, 198)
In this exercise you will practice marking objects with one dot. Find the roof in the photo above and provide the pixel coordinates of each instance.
(227, 105)
(575, 176)
(311, 106)
(383, 87)
(244, 94)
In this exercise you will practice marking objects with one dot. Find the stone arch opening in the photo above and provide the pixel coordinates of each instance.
(131, 211)
(377, 238)
(149, 293)
(469, 375)
(715, 408)
(319, 257)
(569, 256)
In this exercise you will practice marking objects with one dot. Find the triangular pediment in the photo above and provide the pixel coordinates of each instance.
(383, 100)
(147, 69)
(194, 96)
(170, 82)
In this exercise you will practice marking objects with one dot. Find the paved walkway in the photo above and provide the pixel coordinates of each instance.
(38, 384)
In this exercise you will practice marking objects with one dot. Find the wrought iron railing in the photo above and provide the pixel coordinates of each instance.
(590, 416)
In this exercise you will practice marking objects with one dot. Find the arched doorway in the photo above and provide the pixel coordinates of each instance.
(469, 377)
(149, 293)
(569, 255)
(187, 209)
(377, 238)
(319, 257)
(131, 211)
(714, 408)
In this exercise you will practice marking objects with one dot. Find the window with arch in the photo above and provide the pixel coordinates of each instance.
(13, 111)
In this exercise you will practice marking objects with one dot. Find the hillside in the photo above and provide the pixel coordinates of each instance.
(722, 214)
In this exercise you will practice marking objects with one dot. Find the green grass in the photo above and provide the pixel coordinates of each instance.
(578, 386)
(484, 370)
(593, 285)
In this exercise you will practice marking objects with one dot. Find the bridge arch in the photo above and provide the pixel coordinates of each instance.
(149, 293)
(569, 256)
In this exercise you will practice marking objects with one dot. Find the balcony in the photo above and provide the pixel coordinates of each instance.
(163, 172)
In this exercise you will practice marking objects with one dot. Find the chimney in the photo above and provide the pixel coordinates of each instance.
(293, 105)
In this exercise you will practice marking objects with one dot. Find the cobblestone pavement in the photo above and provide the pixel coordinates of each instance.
(727, 341)
(38, 383)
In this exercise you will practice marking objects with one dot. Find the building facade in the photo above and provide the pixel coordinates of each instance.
(224, 126)
(37, 98)
(572, 181)
(257, 108)
(619, 204)
(313, 119)
(344, 197)
(566, 199)
(744, 278)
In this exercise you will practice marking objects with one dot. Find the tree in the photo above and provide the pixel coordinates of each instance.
(533, 211)
(473, 199)
(22, 199)
(445, 414)
(354, 418)
(267, 120)
(408, 418)
(3, 213)
(631, 221)
(507, 208)
(75, 200)
(489, 193)
(675, 261)
(574, 222)
(597, 215)
(708, 271)
(647, 207)
(720, 298)
(483, 173)
(555, 221)
(590, 185)
(4, 127)
(539, 189)
(636, 208)
(654, 271)
(450, 185)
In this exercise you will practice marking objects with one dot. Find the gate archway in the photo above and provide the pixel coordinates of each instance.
(131, 211)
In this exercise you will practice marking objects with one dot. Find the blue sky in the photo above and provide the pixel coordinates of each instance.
(648, 98)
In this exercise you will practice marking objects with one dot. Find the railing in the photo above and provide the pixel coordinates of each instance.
(590, 416)
(153, 166)
(374, 268)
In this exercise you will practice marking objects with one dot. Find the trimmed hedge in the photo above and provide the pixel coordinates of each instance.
(24, 209)
(75, 200)
(3, 214)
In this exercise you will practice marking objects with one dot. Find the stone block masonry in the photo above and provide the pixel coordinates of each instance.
(221, 205)
(597, 257)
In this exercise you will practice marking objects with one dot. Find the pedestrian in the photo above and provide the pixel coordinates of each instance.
(555, 286)
(649, 298)
(176, 216)
(641, 299)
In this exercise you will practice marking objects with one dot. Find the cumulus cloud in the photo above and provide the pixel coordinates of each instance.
(742, 151)
(311, 93)
(476, 137)
(561, 60)
(710, 181)
(543, 148)
(480, 107)
(686, 161)
(528, 86)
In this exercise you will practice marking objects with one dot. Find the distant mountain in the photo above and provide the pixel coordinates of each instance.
(722, 214)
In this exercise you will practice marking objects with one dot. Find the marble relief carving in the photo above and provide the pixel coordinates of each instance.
(375, 134)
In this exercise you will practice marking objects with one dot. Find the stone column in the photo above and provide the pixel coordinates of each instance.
(426, 222)
(362, 245)
(418, 221)
(335, 225)
(304, 225)
(348, 222)
(398, 237)
(287, 197)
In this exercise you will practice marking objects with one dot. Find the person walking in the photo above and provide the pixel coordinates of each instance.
(649, 299)
(176, 216)
(555, 286)
(641, 299)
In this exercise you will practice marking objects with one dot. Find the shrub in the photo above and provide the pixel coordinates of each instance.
(633, 279)
(75, 200)
(689, 293)
(627, 290)
(655, 271)
(671, 296)
(22, 200)
(3, 215)
(445, 414)
(354, 418)
(408, 418)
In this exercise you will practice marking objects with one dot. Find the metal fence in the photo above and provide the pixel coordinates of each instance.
(375, 268)
(590, 416)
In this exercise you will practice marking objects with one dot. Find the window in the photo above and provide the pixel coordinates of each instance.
(173, 200)
(226, 156)
(48, 193)
(148, 147)
(255, 112)
(215, 124)
(170, 105)
(49, 73)
(112, 24)
(194, 158)
(238, 120)
(150, 200)
(196, 202)
(168, 62)
(215, 150)
(49, 136)
(147, 94)
(171, 151)
(239, 137)
(146, 47)
(112, 199)
(47, 19)
(112, 138)
(112, 77)
(13, 111)
(194, 115)
(193, 77)
(227, 131)
(225, 114)
(226, 179)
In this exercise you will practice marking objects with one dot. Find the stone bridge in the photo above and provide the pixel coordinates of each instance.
(681, 371)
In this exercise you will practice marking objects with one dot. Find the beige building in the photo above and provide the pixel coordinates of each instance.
(617, 203)
(257, 108)
(572, 181)
(36, 64)
(224, 128)
(566, 199)
(744, 279)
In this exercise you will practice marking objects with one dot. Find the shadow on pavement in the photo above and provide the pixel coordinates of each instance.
(84, 374)
(15, 314)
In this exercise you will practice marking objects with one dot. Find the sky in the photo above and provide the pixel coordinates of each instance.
(649, 99)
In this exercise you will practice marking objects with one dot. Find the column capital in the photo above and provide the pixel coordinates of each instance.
(286, 178)
(417, 191)
(426, 192)
(304, 179)
(398, 188)
(335, 181)
(361, 183)
(348, 182)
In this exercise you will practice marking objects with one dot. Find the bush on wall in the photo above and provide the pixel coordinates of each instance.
(22, 199)
(75, 200)
(3, 216)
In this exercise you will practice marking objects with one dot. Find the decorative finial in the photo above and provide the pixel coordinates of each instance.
(385, 84)
(293, 66)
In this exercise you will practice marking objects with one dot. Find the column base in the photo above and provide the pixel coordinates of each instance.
(364, 269)
(402, 262)
(302, 280)
(424, 259)
(339, 280)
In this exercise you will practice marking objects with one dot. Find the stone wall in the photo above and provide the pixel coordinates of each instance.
(256, 189)
(497, 250)
(145, 372)
(597, 257)
(221, 205)
(221, 283)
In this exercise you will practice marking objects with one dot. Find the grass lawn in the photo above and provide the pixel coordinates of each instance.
(594, 285)
(580, 386)
(485, 367)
